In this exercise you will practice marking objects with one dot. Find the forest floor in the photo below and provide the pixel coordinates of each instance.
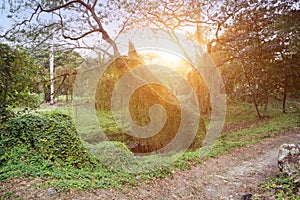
(229, 176)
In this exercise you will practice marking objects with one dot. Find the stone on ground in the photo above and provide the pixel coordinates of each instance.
(289, 160)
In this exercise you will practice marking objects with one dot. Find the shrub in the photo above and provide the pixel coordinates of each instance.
(113, 154)
(52, 136)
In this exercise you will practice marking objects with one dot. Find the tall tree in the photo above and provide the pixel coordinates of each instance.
(16, 72)
(67, 66)
(254, 50)
(288, 36)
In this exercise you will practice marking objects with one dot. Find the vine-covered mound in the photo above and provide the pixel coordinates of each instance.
(113, 154)
(48, 136)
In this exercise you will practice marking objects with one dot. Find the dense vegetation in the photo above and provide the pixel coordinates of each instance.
(254, 44)
(17, 70)
(51, 136)
(59, 156)
(279, 187)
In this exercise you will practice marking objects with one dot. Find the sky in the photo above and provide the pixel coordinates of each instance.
(6, 23)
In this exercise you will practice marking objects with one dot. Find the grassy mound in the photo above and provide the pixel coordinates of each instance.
(50, 136)
(113, 154)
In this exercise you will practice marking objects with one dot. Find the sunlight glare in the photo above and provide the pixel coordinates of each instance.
(163, 58)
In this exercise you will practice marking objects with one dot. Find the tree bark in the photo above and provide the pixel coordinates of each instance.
(284, 94)
(256, 107)
(266, 106)
(252, 91)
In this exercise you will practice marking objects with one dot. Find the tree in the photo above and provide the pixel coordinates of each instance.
(248, 33)
(75, 21)
(255, 51)
(16, 72)
(289, 62)
(69, 22)
(66, 63)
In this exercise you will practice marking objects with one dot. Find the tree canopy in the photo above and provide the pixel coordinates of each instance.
(259, 53)
(16, 71)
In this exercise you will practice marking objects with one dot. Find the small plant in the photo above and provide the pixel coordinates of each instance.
(280, 187)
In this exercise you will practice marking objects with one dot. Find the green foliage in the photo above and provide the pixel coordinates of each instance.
(261, 130)
(52, 136)
(114, 132)
(259, 54)
(48, 146)
(141, 102)
(116, 155)
(22, 160)
(110, 163)
(199, 137)
(17, 70)
(113, 154)
(66, 63)
(239, 111)
(281, 187)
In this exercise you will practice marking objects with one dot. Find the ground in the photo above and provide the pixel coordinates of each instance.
(227, 177)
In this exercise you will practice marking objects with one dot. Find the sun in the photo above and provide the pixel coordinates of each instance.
(165, 59)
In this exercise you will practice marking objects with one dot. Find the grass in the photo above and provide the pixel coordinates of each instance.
(238, 112)
(279, 187)
(100, 176)
(265, 129)
(10, 195)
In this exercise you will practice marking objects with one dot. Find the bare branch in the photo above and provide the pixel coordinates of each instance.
(22, 23)
(90, 9)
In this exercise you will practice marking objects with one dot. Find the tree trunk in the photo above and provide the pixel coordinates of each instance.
(46, 94)
(266, 106)
(256, 107)
(284, 94)
(252, 91)
(67, 96)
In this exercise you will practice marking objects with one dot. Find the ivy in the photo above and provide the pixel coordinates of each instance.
(50, 136)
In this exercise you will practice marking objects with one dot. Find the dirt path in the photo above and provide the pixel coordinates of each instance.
(227, 177)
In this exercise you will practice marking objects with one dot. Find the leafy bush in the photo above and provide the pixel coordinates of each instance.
(113, 154)
(114, 132)
(52, 136)
(31, 100)
(21, 160)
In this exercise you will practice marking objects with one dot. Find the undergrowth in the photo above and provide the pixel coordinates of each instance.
(48, 146)
(279, 187)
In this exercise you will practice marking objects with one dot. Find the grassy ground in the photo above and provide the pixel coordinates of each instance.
(241, 128)
(278, 187)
